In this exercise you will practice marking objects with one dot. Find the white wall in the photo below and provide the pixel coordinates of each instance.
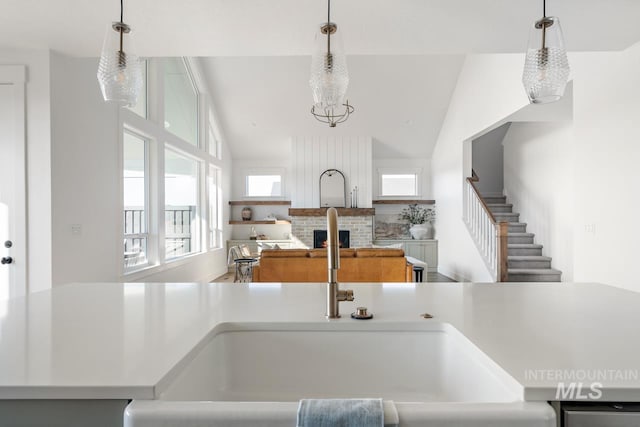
(38, 154)
(487, 157)
(539, 181)
(85, 186)
(580, 182)
(607, 155)
(84, 147)
(488, 90)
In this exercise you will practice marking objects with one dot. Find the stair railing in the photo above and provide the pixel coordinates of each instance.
(490, 236)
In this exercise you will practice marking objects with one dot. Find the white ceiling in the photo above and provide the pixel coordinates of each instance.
(399, 100)
(286, 27)
(404, 55)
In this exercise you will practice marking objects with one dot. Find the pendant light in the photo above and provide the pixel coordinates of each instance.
(329, 75)
(120, 72)
(546, 67)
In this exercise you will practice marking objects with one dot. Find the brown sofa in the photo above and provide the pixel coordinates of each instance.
(310, 265)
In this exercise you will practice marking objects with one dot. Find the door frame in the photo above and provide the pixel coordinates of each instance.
(15, 76)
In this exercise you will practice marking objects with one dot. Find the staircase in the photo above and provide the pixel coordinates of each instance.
(525, 260)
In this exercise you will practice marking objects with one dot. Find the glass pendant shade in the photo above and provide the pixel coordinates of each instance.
(120, 72)
(329, 74)
(546, 67)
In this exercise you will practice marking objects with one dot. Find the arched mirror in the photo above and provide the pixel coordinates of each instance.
(332, 189)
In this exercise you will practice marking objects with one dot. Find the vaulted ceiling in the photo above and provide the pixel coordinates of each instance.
(404, 55)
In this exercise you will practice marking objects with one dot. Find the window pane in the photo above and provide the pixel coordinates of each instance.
(215, 225)
(141, 106)
(180, 101)
(264, 185)
(181, 204)
(399, 185)
(214, 145)
(135, 200)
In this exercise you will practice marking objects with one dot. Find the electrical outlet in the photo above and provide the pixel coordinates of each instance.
(590, 228)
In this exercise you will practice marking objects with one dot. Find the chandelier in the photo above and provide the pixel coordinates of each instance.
(120, 73)
(546, 67)
(329, 75)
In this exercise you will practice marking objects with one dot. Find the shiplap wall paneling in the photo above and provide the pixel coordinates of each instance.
(313, 155)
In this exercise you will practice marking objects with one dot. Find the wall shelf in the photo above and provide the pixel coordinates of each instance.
(323, 211)
(266, 221)
(260, 202)
(403, 202)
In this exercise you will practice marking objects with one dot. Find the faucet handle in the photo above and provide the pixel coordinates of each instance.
(345, 295)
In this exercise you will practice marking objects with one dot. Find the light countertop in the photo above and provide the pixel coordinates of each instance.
(115, 341)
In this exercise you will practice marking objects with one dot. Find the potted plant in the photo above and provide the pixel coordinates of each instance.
(420, 221)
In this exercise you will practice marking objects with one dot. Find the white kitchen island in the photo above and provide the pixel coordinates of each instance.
(90, 348)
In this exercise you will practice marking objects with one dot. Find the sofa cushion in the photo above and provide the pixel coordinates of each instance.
(322, 253)
(378, 252)
(389, 246)
(284, 253)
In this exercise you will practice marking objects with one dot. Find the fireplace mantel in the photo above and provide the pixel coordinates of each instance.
(323, 211)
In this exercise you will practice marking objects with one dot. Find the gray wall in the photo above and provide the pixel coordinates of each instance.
(487, 160)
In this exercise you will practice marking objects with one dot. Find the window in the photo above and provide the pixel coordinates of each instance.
(263, 186)
(180, 101)
(141, 106)
(399, 184)
(215, 208)
(171, 172)
(214, 144)
(181, 204)
(135, 188)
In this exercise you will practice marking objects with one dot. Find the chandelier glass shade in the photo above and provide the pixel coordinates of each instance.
(546, 67)
(120, 71)
(329, 78)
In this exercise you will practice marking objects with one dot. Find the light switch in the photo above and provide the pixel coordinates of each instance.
(76, 229)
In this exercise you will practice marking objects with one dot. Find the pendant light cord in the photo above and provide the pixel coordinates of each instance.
(328, 27)
(544, 8)
(121, 11)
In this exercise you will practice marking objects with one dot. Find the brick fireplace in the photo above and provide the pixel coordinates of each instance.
(359, 223)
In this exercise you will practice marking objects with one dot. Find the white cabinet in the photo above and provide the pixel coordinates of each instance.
(424, 250)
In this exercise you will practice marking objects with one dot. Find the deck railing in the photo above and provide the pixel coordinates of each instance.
(178, 232)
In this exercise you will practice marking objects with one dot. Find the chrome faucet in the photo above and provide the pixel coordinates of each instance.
(334, 294)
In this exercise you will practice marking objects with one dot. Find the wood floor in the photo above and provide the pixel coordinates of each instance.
(431, 277)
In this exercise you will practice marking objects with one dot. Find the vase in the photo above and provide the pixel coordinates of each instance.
(246, 214)
(421, 231)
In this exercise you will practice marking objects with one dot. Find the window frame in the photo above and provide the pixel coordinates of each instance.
(417, 172)
(199, 144)
(158, 140)
(214, 222)
(264, 172)
(147, 202)
(195, 225)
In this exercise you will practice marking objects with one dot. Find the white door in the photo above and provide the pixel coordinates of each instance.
(13, 244)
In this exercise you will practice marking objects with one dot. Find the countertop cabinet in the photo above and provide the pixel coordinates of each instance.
(424, 250)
